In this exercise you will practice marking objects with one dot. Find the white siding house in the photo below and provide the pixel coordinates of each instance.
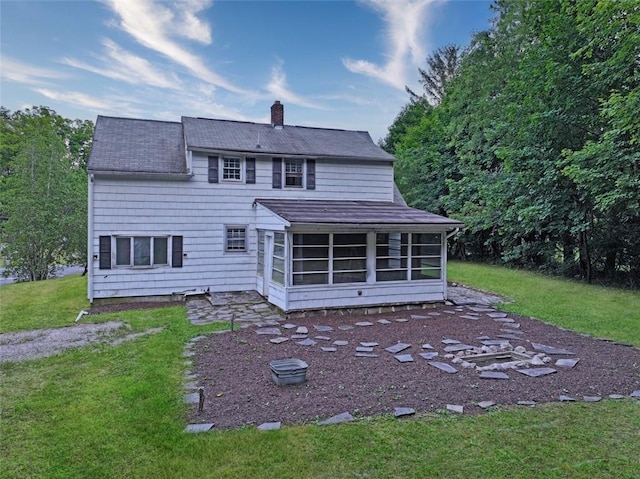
(305, 216)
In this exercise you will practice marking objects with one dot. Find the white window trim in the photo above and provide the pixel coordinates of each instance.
(304, 174)
(131, 237)
(226, 249)
(241, 160)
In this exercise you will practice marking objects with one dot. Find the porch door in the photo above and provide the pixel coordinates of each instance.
(268, 263)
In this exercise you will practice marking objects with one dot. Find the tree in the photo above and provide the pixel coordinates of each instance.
(44, 193)
(443, 66)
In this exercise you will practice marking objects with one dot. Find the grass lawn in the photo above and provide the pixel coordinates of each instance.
(117, 411)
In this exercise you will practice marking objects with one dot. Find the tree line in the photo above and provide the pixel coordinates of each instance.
(531, 137)
(43, 191)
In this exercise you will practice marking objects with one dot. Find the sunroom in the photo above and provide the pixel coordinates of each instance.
(345, 254)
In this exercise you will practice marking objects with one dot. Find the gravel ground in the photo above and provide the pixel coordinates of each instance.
(233, 369)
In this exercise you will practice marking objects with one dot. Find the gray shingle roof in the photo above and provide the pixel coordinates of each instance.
(137, 146)
(202, 133)
(353, 212)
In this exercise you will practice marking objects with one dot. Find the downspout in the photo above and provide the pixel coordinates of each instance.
(445, 262)
(90, 261)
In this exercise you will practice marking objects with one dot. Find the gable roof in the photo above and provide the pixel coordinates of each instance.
(353, 212)
(125, 145)
(264, 139)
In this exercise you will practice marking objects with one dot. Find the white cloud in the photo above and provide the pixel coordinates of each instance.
(19, 72)
(405, 21)
(155, 24)
(278, 87)
(76, 98)
(125, 66)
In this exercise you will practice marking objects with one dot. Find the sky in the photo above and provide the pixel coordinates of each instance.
(332, 63)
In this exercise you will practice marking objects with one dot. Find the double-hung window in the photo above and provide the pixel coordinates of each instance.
(294, 173)
(142, 251)
(293, 169)
(235, 239)
(231, 168)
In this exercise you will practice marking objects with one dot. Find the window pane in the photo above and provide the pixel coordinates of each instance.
(310, 239)
(355, 277)
(350, 239)
(160, 251)
(311, 252)
(425, 250)
(236, 239)
(315, 278)
(391, 263)
(142, 251)
(350, 264)
(310, 265)
(425, 263)
(399, 275)
(425, 274)
(123, 251)
(425, 238)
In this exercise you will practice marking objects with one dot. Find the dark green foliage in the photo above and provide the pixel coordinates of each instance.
(536, 142)
(44, 192)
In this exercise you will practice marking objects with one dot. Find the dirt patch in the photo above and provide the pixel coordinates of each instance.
(118, 307)
(233, 369)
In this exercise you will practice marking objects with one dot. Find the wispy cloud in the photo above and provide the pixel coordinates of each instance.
(405, 21)
(278, 86)
(77, 98)
(156, 25)
(120, 64)
(20, 72)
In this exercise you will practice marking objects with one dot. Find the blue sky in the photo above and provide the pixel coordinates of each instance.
(334, 64)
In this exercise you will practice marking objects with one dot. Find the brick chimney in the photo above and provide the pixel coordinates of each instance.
(277, 114)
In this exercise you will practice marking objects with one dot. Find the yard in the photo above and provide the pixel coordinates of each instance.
(117, 411)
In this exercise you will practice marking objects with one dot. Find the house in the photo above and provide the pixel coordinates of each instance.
(308, 217)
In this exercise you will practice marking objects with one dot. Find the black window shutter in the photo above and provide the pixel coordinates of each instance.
(176, 252)
(213, 169)
(250, 165)
(105, 252)
(277, 172)
(311, 174)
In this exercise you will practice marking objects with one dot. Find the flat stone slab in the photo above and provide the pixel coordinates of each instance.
(195, 428)
(483, 338)
(278, 340)
(508, 336)
(565, 398)
(479, 309)
(427, 346)
(383, 321)
(636, 393)
(511, 331)
(454, 348)
(340, 418)
(302, 330)
(323, 338)
(270, 426)
(450, 341)
(526, 403)
(428, 356)
(486, 404)
(364, 349)
(323, 329)
(364, 323)
(536, 372)
(404, 358)
(435, 313)
(419, 316)
(497, 315)
(289, 326)
(396, 348)
(401, 320)
(591, 398)
(493, 375)
(504, 320)
(468, 316)
(455, 408)
(192, 398)
(298, 336)
(366, 355)
(328, 349)
(494, 342)
(340, 342)
(447, 368)
(345, 327)
(616, 396)
(549, 349)
(403, 411)
(307, 342)
(567, 362)
(274, 331)
(368, 344)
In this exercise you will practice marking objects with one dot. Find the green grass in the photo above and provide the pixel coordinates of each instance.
(595, 310)
(42, 304)
(117, 412)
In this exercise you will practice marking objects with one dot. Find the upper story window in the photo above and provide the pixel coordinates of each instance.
(231, 168)
(294, 173)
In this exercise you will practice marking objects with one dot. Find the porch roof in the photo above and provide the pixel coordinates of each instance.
(297, 211)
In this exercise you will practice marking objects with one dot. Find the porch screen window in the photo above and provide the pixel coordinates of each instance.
(231, 168)
(425, 256)
(310, 259)
(391, 256)
(236, 239)
(260, 252)
(350, 258)
(293, 172)
(278, 269)
(141, 251)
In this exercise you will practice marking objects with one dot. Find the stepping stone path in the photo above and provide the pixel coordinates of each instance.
(504, 320)
(536, 372)
(401, 320)
(366, 355)
(307, 342)
(486, 404)
(450, 341)
(328, 349)
(345, 327)
(447, 368)
(323, 338)
(340, 343)
(340, 418)
(195, 428)
(289, 326)
(363, 349)
(454, 348)
(567, 363)
(565, 398)
(468, 316)
(192, 398)
(404, 358)
(636, 394)
(403, 411)
(323, 329)
(396, 348)
(616, 396)
(455, 408)
(269, 426)
(418, 316)
(369, 344)
(278, 340)
(383, 321)
(298, 336)
(274, 331)
(592, 398)
(427, 346)
(364, 323)
(302, 330)
(493, 375)
(497, 315)
(428, 356)
(526, 403)
(550, 349)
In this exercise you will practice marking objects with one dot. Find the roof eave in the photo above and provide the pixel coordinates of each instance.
(144, 175)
